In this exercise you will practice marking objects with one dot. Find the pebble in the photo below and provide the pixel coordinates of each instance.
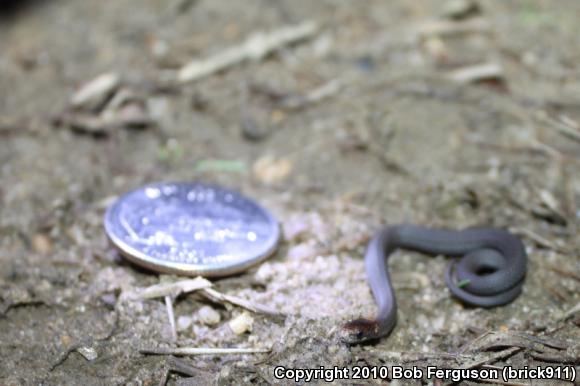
(93, 94)
(41, 243)
(89, 353)
(302, 251)
(184, 322)
(270, 170)
(252, 130)
(264, 273)
(460, 9)
(241, 323)
(207, 315)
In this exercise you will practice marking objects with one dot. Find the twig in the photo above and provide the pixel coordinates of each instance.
(472, 342)
(541, 241)
(179, 366)
(325, 91)
(413, 356)
(494, 381)
(559, 345)
(570, 312)
(447, 28)
(173, 364)
(533, 148)
(492, 358)
(500, 382)
(567, 358)
(199, 283)
(171, 316)
(477, 73)
(201, 351)
(256, 47)
(565, 126)
(254, 307)
(565, 273)
(168, 289)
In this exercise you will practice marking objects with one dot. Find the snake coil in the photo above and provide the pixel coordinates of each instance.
(490, 273)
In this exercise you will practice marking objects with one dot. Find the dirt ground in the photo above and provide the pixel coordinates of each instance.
(369, 120)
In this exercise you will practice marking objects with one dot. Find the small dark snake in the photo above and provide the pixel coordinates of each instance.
(490, 273)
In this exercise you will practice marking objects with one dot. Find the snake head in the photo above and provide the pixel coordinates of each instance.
(359, 331)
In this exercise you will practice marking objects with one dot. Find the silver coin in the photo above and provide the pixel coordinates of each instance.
(191, 229)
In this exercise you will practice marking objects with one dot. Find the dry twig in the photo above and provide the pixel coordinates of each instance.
(167, 289)
(450, 28)
(171, 317)
(492, 358)
(201, 351)
(254, 307)
(477, 73)
(327, 90)
(199, 283)
(256, 47)
(541, 241)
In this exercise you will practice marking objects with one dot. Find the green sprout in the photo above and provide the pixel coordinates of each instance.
(463, 283)
(221, 165)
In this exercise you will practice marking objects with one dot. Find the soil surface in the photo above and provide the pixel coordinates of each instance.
(382, 115)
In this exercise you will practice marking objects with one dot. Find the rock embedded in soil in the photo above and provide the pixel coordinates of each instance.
(208, 316)
(241, 323)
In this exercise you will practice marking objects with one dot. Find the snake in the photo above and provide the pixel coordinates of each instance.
(490, 272)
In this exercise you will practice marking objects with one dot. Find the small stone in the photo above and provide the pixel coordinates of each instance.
(302, 251)
(65, 340)
(277, 116)
(109, 299)
(264, 273)
(41, 243)
(270, 170)
(184, 322)
(89, 353)
(353, 137)
(460, 9)
(208, 316)
(436, 48)
(93, 94)
(241, 323)
(252, 130)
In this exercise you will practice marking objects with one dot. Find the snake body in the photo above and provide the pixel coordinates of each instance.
(490, 273)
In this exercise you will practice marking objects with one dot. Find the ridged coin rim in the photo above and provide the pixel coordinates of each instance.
(217, 270)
